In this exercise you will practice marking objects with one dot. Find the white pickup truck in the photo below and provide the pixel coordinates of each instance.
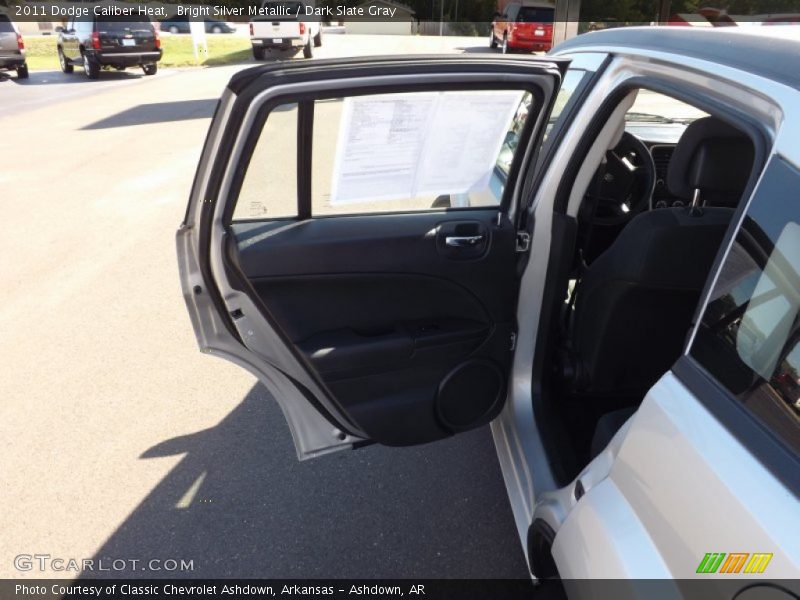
(282, 25)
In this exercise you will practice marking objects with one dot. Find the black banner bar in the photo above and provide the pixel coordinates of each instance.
(705, 588)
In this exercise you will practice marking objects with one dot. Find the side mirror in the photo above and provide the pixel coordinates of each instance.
(59, 29)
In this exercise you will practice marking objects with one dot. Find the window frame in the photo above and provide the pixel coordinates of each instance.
(755, 435)
(305, 135)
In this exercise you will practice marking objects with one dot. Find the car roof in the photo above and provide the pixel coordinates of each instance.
(753, 51)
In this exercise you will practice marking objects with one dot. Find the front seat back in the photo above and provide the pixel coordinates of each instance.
(711, 163)
(635, 302)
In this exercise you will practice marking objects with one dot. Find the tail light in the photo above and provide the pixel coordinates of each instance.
(302, 28)
(251, 29)
(156, 38)
(95, 40)
(20, 42)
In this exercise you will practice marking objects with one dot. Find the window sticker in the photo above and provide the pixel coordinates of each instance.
(394, 146)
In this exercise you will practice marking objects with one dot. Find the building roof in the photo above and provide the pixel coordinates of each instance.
(774, 57)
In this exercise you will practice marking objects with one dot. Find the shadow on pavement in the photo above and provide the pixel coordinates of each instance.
(239, 504)
(486, 50)
(11, 76)
(158, 112)
(51, 77)
(478, 50)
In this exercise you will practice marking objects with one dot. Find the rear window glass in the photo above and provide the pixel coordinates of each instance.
(122, 24)
(5, 24)
(283, 10)
(528, 14)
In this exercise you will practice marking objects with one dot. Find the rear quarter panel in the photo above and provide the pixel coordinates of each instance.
(681, 486)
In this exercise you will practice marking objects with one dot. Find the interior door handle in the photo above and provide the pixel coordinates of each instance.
(463, 241)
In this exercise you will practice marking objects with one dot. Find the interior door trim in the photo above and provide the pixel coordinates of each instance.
(267, 338)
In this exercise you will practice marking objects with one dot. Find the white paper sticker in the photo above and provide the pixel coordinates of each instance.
(397, 146)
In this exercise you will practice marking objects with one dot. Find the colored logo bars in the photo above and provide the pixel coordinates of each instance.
(737, 562)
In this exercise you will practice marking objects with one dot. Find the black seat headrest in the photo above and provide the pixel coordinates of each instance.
(715, 158)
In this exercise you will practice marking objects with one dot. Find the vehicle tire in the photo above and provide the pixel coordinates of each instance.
(174, 29)
(91, 68)
(318, 39)
(492, 39)
(258, 53)
(216, 29)
(308, 49)
(22, 72)
(150, 69)
(66, 66)
(504, 48)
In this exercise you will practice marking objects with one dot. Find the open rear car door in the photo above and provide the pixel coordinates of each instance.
(352, 239)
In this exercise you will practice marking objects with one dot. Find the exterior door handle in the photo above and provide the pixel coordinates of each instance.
(463, 241)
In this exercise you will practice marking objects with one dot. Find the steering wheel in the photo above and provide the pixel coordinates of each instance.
(624, 185)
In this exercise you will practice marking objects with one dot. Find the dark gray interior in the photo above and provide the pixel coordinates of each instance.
(634, 303)
(395, 322)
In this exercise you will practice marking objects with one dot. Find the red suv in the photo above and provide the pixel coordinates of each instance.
(523, 26)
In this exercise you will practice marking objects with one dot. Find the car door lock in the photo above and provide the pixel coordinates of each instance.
(523, 241)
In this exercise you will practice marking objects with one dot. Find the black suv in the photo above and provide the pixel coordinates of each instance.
(104, 42)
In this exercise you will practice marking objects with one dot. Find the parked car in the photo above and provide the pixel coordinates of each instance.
(107, 42)
(524, 26)
(283, 30)
(181, 25)
(624, 314)
(12, 48)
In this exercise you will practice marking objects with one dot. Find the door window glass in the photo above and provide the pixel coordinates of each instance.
(749, 337)
(269, 189)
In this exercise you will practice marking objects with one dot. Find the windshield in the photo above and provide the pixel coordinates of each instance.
(5, 25)
(652, 107)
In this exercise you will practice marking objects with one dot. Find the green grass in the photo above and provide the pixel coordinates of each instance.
(222, 50)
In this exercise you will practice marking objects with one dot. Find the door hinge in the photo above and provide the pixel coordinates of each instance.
(513, 341)
(523, 241)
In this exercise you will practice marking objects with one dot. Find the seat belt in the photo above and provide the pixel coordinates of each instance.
(589, 206)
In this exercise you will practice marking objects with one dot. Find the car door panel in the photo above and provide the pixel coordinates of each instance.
(396, 328)
(379, 304)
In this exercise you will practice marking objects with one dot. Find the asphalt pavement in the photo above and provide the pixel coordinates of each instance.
(118, 438)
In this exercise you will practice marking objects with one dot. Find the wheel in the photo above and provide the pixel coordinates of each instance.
(258, 53)
(216, 29)
(308, 49)
(91, 68)
(504, 48)
(22, 72)
(150, 69)
(492, 39)
(318, 39)
(66, 66)
(174, 29)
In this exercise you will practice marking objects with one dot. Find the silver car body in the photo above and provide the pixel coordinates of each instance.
(675, 482)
